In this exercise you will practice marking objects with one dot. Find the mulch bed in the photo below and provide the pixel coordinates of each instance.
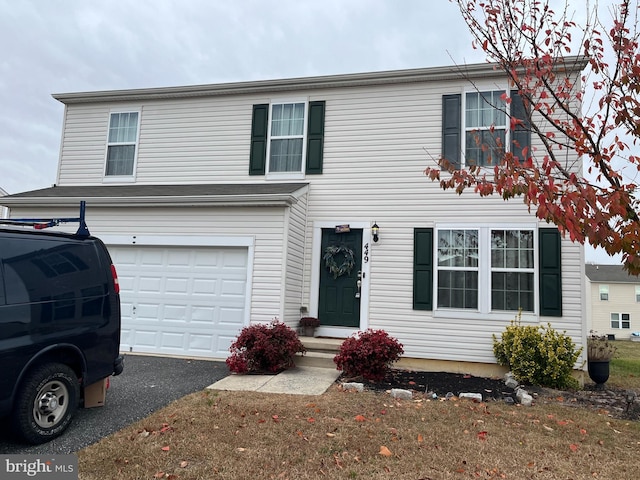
(609, 401)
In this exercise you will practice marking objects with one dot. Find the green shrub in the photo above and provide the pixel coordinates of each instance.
(537, 355)
(368, 354)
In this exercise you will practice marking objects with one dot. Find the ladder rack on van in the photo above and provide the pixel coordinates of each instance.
(42, 223)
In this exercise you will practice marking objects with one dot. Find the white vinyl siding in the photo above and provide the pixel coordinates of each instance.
(295, 231)
(377, 142)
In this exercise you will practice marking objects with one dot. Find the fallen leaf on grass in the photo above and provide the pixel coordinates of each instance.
(159, 475)
(385, 452)
(420, 438)
(184, 464)
(482, 435)
(166, 449)
(360, 418)
(573, 447)
(311, 420)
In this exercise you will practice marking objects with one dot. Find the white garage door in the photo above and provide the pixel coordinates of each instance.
(181, 300)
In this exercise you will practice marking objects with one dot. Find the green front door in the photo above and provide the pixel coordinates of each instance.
(339, 302)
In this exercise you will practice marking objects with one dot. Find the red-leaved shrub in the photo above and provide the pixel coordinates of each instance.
(368, 354)
(264, 348)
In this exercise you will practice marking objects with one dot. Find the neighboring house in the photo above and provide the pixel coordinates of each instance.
(220, 205)
(613, 301)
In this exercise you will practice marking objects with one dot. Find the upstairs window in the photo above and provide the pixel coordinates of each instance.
(637, 293)
(485, 127)
(122, 144)
(604, 293)
(286, 137)
(476, 127)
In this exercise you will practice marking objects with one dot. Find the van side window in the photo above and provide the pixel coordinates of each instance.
(54, 270)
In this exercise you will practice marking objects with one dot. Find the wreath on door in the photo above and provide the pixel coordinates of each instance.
(339, 260)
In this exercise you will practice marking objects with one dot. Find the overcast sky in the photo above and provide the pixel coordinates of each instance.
(66, 46)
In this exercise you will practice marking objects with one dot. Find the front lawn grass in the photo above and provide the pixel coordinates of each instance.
(250, 435)
(625, 366)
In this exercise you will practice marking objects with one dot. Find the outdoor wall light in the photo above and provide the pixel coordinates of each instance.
(374, 231)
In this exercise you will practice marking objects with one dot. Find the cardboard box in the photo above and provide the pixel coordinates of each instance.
(95, 394)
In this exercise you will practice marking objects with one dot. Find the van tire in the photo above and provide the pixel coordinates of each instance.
(46, 403)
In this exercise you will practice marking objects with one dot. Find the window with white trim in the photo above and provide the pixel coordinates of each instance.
(512, 270)
(287, 132)
(457, 269)
(122, 143)
(637, 293)
(604, 292)
(485, 127)
(485, 269)
(620, 320)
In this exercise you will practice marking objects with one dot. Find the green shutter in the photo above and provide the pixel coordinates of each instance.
(451, 128)
(423, 269)
(550, 272)
(315, 137)
(521, 135)
(258, 152)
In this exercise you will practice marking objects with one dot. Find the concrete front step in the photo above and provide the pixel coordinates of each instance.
(320, 352)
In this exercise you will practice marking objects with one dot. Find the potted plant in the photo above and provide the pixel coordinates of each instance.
(600, 351)
(309, 325)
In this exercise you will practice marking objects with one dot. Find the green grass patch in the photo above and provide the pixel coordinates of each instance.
(625, 367)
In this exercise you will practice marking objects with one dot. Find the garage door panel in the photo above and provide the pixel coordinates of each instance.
(175, 285)
(149, 284)
(152, 257)
(205, 286)
(234, 288)
(179, 300)
(231, 317)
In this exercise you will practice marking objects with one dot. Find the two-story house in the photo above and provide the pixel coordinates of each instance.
(613, 301)
(233, 203)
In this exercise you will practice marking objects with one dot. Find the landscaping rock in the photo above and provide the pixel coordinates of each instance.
(472, 396)
(358, 387)
(401, 394)
(510, 381)
(526, 400)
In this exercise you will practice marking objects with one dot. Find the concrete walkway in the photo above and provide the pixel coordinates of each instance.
(300, 380)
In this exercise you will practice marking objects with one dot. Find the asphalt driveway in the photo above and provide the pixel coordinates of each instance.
(146, 385)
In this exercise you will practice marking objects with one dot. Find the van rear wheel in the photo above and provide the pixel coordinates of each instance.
(46, 403)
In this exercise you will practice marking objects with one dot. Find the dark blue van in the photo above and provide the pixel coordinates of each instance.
(59, 327)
